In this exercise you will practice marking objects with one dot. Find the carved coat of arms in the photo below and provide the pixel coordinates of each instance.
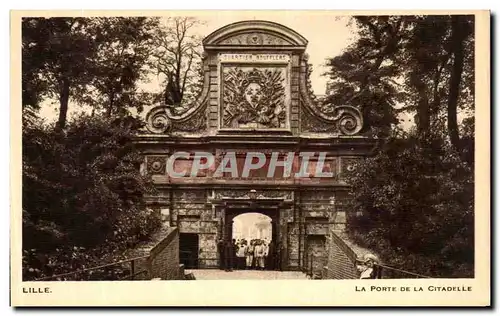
(254, 98)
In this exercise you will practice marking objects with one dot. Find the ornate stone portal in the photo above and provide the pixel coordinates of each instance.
(256, 97)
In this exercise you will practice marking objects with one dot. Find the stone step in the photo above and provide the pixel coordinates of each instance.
(215, 274)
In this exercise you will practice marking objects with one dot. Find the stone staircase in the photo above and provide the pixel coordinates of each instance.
(216, 274)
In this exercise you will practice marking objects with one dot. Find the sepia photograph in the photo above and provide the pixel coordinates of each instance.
(318, 146)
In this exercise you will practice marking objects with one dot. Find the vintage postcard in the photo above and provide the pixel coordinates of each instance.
(250, 158)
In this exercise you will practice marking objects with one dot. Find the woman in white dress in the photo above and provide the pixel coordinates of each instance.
(368, 268)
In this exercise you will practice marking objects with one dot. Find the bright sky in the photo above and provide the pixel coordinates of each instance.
(327, 34)
(245, 226)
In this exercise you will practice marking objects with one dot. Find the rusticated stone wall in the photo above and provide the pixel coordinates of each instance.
(313, 213)
(191, 213)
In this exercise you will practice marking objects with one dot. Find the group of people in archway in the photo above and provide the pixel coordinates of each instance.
(255, 254)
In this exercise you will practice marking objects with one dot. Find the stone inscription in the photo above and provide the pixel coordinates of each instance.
(257, 58)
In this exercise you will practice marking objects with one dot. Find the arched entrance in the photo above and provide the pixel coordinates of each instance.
(273, 205)
(258, 224)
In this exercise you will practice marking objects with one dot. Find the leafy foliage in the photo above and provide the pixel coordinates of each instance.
(91, 61)
(406, 64)
(57, 54)
(414, 204)
(82, 189)
(364, 75)
(82, 194)
(121, 63)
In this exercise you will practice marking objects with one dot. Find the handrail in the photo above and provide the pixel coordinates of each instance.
(402, 271)
(91, 269)
(134, 275)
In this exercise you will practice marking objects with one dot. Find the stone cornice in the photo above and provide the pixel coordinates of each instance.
(259, 140)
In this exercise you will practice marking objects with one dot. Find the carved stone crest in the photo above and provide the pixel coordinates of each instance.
(254, 97)
(196, 195)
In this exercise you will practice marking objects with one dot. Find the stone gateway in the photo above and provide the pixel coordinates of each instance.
(255, 98)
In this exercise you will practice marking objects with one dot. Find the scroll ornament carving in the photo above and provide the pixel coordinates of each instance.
(157, 121)
(160, 120)
(326, 117)
(183, 117)
(196, 123)
(345, 120)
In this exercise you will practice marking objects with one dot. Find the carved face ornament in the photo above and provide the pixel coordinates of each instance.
(254, 39)
(253, 94)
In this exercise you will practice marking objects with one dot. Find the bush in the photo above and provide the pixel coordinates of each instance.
(83, 195)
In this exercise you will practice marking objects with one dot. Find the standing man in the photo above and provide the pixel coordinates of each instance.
(279, 252)
(270, 262)
(235, 251)
(220, 250)
(242, 249)
(228, 256)
(249, 254)
(266, 254)
(259, 254)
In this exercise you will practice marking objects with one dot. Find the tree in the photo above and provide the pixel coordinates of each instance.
(34, 87)
(365, 75)
(461, 30)
(121, 63)
(93, 61)
(406, 64)
(420, 183)
(424, 60)
(177, 58)
(413, 204)
(56, 57)
(432, 69)
(83, 194)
